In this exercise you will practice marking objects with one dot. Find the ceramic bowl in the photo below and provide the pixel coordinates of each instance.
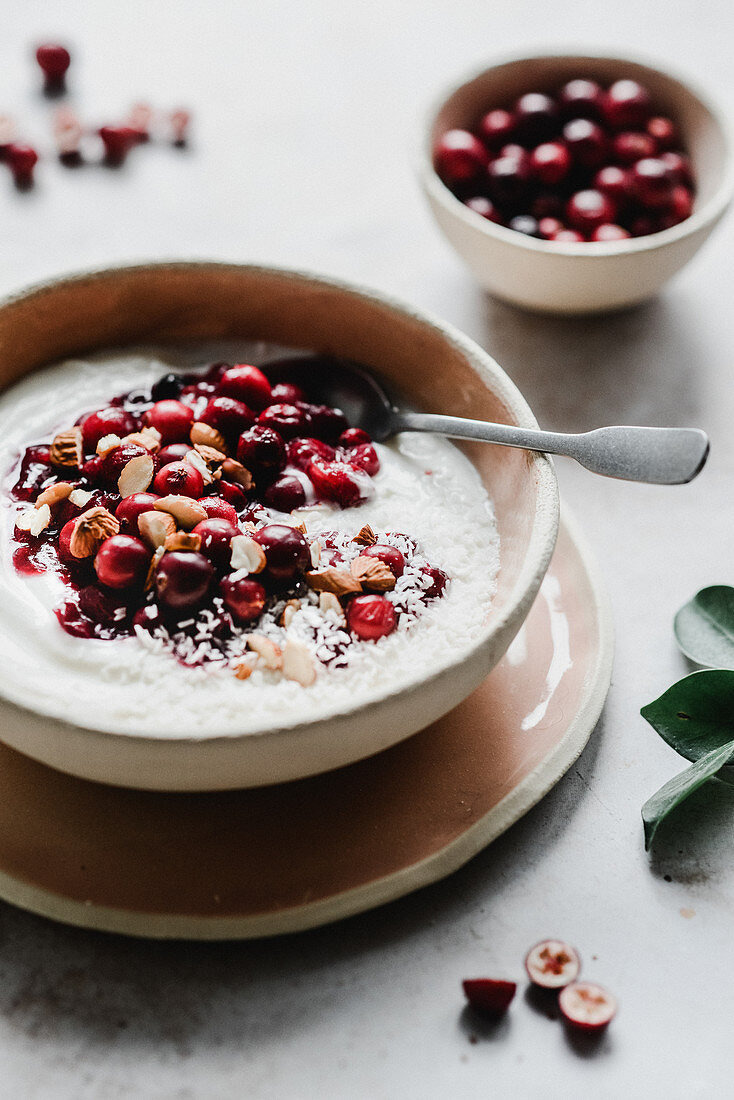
(590, 277)
(436, 367)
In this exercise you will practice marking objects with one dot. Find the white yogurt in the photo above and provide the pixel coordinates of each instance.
(425, 489)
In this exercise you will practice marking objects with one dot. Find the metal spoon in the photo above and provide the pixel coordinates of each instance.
(661, 456)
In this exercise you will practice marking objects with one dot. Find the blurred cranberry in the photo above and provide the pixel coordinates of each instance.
(354, 437)
(586, 142)
(610, 233)
(243, 597)
(166, 388)
(613, 181)
(525, 224)
(631, 145)
(680, 207)
(54, 61)
(248, 384)
(536, 118)
(581, 99)
(21, 160)
(550, 163)
(130, 510)
(508, 180)
(588, 209)
(514, 150)
(216, 537)
(495, 128)
(302, 450)
(459, 157)
(122, 561)
(663, 131)
(485, 208)
(546, 205)
(679, 168)
(286, 550)
(643, 226)
(172, 419)
(182, 580)
(285, 494)
(371, 617)
(111, 421)
(651, 182)
(118, 141)
(569, 236)
(548, 227)
(626, 106)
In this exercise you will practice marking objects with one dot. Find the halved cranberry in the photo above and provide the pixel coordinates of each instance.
(286, 393)
(302, 450)
(438, 579)
(663, 132)
(287, 420)
(285, 494)
(552, 964)
(610, 232)
(122, 561)
(631, 145)
(35, 470)
(485, 208)
(110, 421)
(613, 181)
(340, 482)
(581, 99)
(490, 995)
(216, 536)
(390, 555)
(651, 183)
(354, 437)
(495, 128)
(365, 457)
(118, 141)
(261, 448)
(326, 423)
(172, 419)
(247, 384)
(626, 105)
(586, 142)
(179, 478)
(229, 416)
(286, 550)
(182, 580)
(54, 61)
(217, 508)
(243, 598)
(174, 452)
(371, 617)
(459, 157)
(21, 159)
(536, 118)
(588, 209)
(130, 510)
(550, 163)
(587, 1006)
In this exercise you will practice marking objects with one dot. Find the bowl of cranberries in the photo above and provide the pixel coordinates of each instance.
(576, 184)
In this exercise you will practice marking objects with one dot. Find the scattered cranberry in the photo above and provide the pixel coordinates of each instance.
(550, 163)
(586, 210)
(552, 964)
(182, 580)
(118, 141)
(106, 469)
(340, 482)
(459, 157)
(485, 208)
(247, 384)
(216, 537)
(626, 105)
(7, 134)
(139, 120)
(390, 555)
(180, 121)
(302, 451)
(102, 606)
(285, 494)
(216, 508)
(130, 510)
(172, 419)
(495, 128)
(581, 99)
(22, 159)
(110, 421)
(261, 448)
(122, 561)
(243, 598)
(286, 550)
(371, 617)
(586, 142)
(490, 995)
(179, 478)
(587, 1006)
(287, 420)
(54, 61)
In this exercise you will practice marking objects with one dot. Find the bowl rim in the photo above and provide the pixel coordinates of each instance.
(541, 541)
(711, 210)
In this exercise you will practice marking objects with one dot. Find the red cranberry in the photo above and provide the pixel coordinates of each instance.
(550, 163)
(630, 146)
(371, 617)
(588, 209)
(118, 141)
(546, 205)
(365, 457)
(643, 226)
(610, 233)
(586, 142)
(243, 598)
(122, 561)
(548, 227)
(232, 494)
(508, 180)
(354, 437)
(286, 550)
(663, 132)
(679, 168)
(551, 964)
(587, 1006)
(651, 183)
(112, 464)
(286, 393)
(485, 208)
(130, 510)
(217, 508)
(216, 536)
(340, 482)
(581, 99)
(174, 452)
(325, 422)
(229, 416)
(438, 580)
(179, 478)
(301, 451)
(390, 555)
(172, 419)
(101, 606)
(261, 448)
(215, 371)
(285, 493)
(626, 106)
(613, 181)
(459, 157)
(22, 159)
(568, 236)
(489, 995)
(524, 223)
(680, 208)
(35, 470)
(536, 118)
(111, 421)
(182, 580)
(287, 420)
(54, 61)
(148, 617)
(247, 384)
(63, 547)
(495, 128)
(514, 149)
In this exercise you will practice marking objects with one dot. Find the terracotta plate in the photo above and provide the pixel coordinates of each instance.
(242, 864)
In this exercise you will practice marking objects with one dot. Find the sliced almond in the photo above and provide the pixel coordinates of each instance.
(247, 554)
(373, 574)
(183, 540)
(298, 663)
(80, 498)
(301, 526)
(315, 549)
(288, 612)
(34, 520)
(156, 527)
(212, 457)
(366, 536)
(329, 602)
(150, 438)
(243, 671)
(232, 470)
(185, 510)
(66, 448)
(54, 494)
(209, 436)
(269, 653)
(338, 581)
(150, 579)
(90, 530)
(194, 459)
(136, 475)
(108, 443)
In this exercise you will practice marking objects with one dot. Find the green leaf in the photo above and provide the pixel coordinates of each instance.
(704, 627)
(696, 715)
(657, 808)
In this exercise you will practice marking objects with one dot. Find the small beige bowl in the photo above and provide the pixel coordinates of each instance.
(579, 278)
(434, 366)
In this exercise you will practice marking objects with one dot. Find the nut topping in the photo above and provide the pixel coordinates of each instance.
(315, 553)
(136, 475)
(232, 470)
(247, 554)
(197, 463)
(154, 562)
(66, 448)
(108, 443)
(297, 663)
(150, 438)
(185, 510)
(90, 530)
(54, 494)
(156, 527)
(329, 602)
(288, 612)
(34, 520)
(80, 498)
(209, 436)
(365, 537)
(212, 457)
(373, 574)
(183, 540)
(269, 653)
(337, 581)
(243, 671)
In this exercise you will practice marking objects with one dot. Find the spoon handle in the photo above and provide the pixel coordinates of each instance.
(660, 456)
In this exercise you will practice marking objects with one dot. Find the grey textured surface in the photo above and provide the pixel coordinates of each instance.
(306, 120)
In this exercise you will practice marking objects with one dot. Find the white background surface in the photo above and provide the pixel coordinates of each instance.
(306, 121)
